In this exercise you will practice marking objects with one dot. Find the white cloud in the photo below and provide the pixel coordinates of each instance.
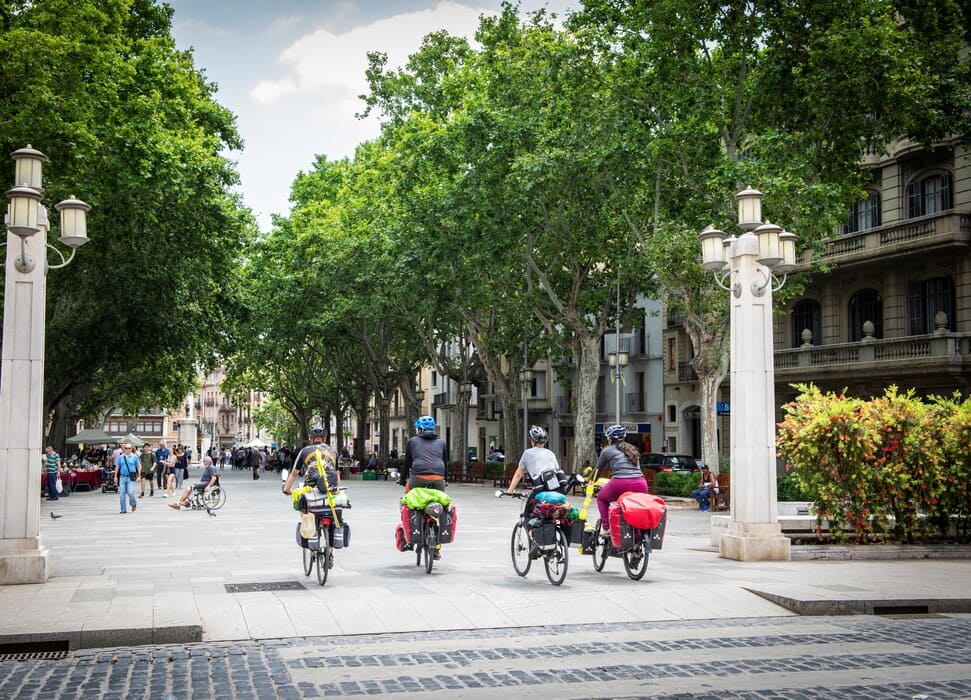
(334, 64)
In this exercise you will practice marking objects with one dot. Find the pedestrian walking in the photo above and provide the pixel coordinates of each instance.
(52, 465)
(127, 467)
(161, 454)
(147, 458)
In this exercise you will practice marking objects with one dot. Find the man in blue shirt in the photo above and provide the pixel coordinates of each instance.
(161, 454)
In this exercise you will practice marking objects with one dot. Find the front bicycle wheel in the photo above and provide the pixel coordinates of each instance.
(557, 560)
(521, 560)
(323, 559)
(635, 560)
(215, 498)
(308, 561)
(601, 550)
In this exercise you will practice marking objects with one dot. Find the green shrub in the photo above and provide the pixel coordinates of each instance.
(494, 470)
(675, 483)
(891, 468)
(789, 489)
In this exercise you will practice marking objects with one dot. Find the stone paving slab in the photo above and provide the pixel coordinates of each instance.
(161, 575)
(857, 657)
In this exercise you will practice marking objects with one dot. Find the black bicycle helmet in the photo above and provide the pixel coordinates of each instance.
(615, 433)
(538, 435)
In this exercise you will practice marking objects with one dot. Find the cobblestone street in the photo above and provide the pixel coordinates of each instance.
(846, 657)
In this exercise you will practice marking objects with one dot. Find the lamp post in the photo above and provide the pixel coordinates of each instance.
(465, 390)
(526, 382)
(23, 559)
(749, 263)
(617, 359)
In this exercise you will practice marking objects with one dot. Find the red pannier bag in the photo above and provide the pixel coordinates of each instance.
(447, 524)
(613, 515)
(642, 510)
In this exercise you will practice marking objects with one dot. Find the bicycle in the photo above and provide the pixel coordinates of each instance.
(213, 499)
(429, 529)
(319, 550)
(549, 539)
(636, 544)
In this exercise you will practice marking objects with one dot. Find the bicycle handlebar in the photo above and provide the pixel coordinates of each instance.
(515, 494)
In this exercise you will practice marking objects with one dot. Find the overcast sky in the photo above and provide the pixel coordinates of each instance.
(292, 70)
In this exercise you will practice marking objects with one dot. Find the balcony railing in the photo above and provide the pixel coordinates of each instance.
(686, 373)
(950, 228)
(886, 350)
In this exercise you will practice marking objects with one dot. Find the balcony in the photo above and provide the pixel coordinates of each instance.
(950, 229)
(686, 373)
(210, 402)
(634, 402)
(906, 360)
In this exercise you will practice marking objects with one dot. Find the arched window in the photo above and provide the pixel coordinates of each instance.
(864, 214)
(928, 297)
(865, 305)
(806, 314)
(930, 195)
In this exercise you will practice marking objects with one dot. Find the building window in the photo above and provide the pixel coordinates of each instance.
(672, 414)
(931, 195)
(537, 389)
(865, 305)
(806, 314)
(672, 355)
(864, 214)
(434, 378)
(926, 299)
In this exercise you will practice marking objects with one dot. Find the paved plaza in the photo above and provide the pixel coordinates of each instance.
(149, 604)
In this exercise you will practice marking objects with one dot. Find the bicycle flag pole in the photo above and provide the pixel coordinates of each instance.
(327, 493)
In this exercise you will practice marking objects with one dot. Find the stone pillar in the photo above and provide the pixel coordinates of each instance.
(189, 435)
(754, 533)
(23, 559)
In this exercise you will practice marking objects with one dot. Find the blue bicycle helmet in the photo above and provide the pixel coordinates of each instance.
(425, 423)
(615, 433)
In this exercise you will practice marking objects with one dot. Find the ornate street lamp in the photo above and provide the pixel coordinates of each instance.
(526, 383)
(22, 557)
(749, 264)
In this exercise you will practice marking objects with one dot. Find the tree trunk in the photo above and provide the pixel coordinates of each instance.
(587, 359)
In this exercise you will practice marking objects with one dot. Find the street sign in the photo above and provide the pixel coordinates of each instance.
(724, 408)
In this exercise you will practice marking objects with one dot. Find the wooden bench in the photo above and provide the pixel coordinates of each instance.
(722, 499)
(503, 481)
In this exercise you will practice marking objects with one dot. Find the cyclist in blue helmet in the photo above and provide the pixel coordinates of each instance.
(426, 457)
(625, 472)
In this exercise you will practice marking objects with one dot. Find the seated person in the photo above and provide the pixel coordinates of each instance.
(209, 478)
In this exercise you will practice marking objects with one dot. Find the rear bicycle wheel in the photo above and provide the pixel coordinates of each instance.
(431, 540)
(635, 560)
(214, 498)
(519, 547)
(308, 561)
(556, 561)
(323, 560)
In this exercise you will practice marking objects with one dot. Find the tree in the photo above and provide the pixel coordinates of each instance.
(133, 128)
(778, 96)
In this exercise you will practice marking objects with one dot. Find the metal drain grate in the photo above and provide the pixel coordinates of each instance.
(29, 651)
(264, 586)
(900, 610)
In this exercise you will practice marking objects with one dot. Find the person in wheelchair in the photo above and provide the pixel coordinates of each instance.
(209, 478)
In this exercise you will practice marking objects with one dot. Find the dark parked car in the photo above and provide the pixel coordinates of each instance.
(670, 462)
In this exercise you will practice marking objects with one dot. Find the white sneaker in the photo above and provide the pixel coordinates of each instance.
(165, 495)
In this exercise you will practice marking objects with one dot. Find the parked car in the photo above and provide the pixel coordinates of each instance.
(663, 462)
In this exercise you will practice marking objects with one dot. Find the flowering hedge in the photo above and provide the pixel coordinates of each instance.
(894, 468)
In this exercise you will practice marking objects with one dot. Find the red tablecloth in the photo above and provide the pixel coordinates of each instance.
(87, 479)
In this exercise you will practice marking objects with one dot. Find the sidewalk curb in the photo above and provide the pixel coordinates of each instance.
(888, 606)
(101, 638)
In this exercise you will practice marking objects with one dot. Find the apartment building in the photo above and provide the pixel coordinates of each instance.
(893, 306)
